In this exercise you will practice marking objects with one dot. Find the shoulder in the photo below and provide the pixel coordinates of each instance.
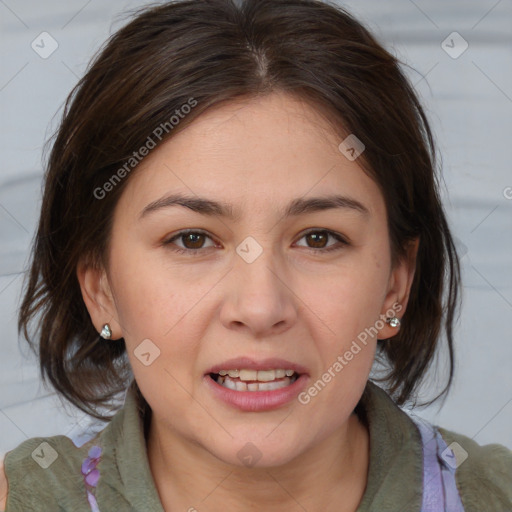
(59, 473)
(483, 473)
(44, 471)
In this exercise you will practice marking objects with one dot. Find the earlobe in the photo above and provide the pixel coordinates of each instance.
(399, 290)
(98, 297)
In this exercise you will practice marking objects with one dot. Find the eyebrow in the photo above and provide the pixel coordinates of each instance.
(299, 206)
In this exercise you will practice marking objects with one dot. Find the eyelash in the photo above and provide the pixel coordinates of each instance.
(197, 252)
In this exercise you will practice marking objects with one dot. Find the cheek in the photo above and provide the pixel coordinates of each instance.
(143, 293)
(160, 328)
(353, 295)
(349, 303)
(157, 302)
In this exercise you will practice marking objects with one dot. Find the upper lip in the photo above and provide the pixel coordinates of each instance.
(239, 363)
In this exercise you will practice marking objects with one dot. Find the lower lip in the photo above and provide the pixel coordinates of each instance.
(257, 400)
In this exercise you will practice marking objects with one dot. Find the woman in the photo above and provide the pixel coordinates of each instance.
(240, 217)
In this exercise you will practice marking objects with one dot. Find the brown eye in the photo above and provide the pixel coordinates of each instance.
(192, 242)
(317, 241)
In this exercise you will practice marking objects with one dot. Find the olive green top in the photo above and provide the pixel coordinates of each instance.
(484, 479)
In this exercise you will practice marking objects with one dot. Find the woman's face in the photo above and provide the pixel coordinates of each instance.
(260, 284)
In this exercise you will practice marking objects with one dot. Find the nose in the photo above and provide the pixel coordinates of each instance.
(259, 297)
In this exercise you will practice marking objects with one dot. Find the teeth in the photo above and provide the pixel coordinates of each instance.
(259, 375)
(228, 384)
(240, 385)
(246, 375)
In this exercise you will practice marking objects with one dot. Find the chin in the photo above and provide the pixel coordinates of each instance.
(256, 454)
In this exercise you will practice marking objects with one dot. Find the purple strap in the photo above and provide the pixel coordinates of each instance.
(440, 493)
(91, 475)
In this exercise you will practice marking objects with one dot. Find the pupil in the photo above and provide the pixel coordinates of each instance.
(317, 235)
(192, 236)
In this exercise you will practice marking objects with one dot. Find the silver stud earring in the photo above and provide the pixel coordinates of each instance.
(393, 321)
(106, 332)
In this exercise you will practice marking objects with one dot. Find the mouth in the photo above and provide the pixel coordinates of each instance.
(250, 385)
(255, 380)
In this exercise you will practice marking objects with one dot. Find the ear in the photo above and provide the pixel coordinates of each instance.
(399, 288)
(98, 297)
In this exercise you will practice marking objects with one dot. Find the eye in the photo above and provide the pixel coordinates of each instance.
(319, 238)
(193, 241)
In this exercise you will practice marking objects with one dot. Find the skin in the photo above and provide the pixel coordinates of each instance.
(3, 486)
(291, 302)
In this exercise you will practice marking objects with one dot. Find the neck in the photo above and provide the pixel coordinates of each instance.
(188, 476)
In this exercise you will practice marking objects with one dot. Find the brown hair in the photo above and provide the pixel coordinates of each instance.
(214, 51)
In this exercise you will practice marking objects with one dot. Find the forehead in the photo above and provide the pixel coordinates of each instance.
(253, 153)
